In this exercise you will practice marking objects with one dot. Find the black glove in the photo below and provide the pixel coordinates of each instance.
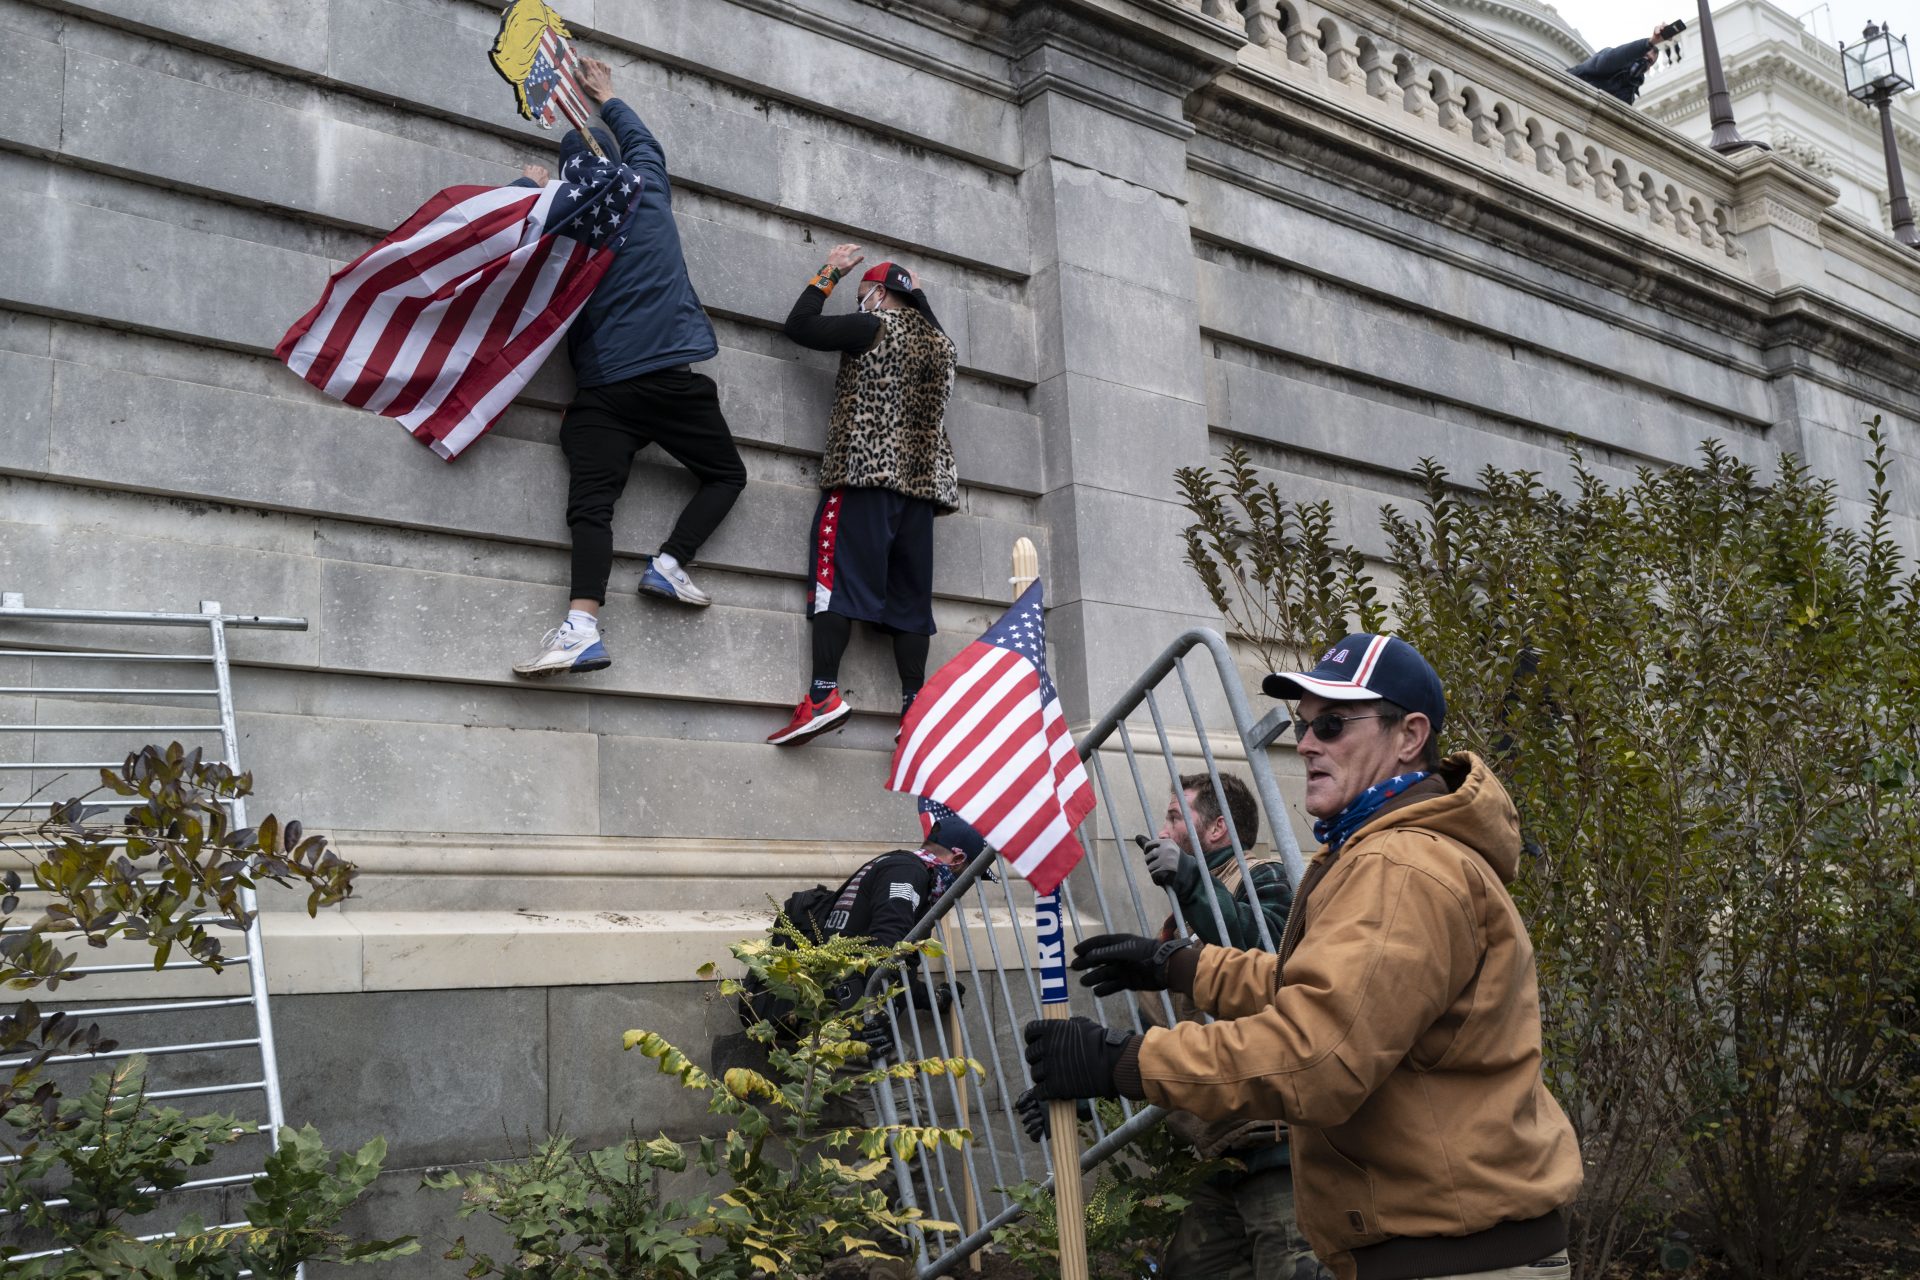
(1126, 962)
(877, 1032)
(1035, 1112)
(1074, 1058)
(1167, 862)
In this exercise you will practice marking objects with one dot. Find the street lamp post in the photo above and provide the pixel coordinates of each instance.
(1878, 69)
(1726, 136)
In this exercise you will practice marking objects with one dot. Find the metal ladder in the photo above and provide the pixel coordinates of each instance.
(178, 1034)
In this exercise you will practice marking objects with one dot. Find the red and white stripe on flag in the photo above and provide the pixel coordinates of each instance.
(987, 738)
(442, 323)
(567, 98)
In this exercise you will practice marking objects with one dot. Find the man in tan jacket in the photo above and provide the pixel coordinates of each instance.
(1398, 1030)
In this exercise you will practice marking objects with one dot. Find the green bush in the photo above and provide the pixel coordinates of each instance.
(1702, 689)
(170, 872)
(80, 1186)
(793, 1191)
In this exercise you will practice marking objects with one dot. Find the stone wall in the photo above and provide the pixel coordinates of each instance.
(1344, 234)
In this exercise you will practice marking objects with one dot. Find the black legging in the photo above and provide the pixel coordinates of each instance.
(605, 427)
(833, 631)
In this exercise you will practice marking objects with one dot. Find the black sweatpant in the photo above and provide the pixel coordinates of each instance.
(604, 428)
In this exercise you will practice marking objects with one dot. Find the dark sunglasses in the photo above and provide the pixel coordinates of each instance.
(1326, 726)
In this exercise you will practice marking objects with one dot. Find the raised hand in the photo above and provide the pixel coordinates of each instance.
(844, 258)
(596, 77)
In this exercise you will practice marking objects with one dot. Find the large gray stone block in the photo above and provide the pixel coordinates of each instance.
(445, 1076)
(30, 110)
(1114, 228)
(1357, 430)
(83, 260)
(751, 791)
(396, 776)
(598, 1090)
(128, 117)
(1120, 332)
(1091, 564)
(954, 111)
(26, 386)
(1118, 437)
(280, 33)
(1453, 364)
(1485, 289)
(1066, 127)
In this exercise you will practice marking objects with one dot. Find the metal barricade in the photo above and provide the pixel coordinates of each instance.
(985, 925)
(210, 1052)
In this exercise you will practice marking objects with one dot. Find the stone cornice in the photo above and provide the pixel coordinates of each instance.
(1163, 44)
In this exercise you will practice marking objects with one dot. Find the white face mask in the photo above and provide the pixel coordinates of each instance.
(873, 296)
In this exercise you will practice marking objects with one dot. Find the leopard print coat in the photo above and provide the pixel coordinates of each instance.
(888, 426)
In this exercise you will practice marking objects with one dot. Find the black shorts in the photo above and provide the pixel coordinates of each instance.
(872, 556)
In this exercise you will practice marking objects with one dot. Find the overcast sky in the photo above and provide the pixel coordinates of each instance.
(1609, 22)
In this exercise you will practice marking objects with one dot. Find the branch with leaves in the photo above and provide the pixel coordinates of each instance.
(171, 872)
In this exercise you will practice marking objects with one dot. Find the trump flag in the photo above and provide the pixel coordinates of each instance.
(986, 738)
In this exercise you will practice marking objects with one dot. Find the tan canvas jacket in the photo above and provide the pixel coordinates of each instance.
(1211, 1138)
(1398, 1033)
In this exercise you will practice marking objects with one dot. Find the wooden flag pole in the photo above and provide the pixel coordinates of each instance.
(1069, 1196)
(586, 134)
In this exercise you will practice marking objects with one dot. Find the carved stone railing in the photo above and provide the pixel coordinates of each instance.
(1506, 115)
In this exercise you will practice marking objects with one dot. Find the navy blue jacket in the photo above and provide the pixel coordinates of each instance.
(644, 315)
(1618, 70)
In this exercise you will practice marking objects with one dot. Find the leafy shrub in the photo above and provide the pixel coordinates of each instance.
(794, 1191)
(79, 1187)
(1703, 692)
(177, 879)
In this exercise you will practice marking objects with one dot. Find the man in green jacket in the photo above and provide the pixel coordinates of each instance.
(1239, 1226)
(1172, 865)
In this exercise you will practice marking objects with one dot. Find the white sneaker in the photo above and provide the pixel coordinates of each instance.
(567, 652)
(672, 584)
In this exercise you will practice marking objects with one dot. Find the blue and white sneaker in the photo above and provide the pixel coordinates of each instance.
(672, 584)
(567, 652)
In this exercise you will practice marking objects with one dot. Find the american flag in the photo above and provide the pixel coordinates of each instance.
(986, 737)
(553, 83)
(442, 323)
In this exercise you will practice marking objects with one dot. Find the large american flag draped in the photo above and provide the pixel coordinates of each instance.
(442, 323)
(986, 737)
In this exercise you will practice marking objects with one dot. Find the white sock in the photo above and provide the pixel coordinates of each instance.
(666, 564)
(581, 620)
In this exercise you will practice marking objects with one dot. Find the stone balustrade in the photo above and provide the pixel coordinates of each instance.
(1424, 81)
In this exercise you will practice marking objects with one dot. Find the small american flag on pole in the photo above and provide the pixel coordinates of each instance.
(986, 738)
(442, 323)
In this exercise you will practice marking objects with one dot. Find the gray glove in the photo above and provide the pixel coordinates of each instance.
(1164, 861)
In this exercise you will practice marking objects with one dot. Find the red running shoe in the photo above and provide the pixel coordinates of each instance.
(810, 720)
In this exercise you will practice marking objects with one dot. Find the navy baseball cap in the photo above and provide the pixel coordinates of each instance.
(956, 833)
(1365, 666)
